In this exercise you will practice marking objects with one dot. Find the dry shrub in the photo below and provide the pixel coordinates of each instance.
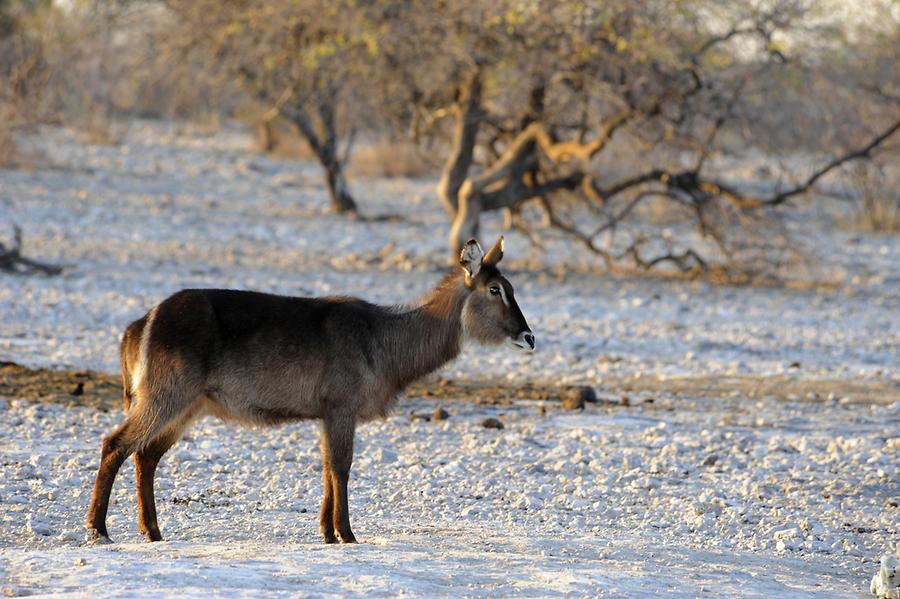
(7, 143)
(394, 159)
(625, 155)
(878, 195)
(7, 150)
(280, 138)
(14, 155)
(99, 132)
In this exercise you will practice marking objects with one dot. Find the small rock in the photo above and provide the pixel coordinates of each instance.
(787, 534)
(69, 535)
(37, 527)
(625, 401)
(541, 410)
(492, 423)
(385, 456)
(710, 459)
(78, 390)
(574, 398)
(440, 414)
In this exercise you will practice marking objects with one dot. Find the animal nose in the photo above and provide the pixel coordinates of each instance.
(529, 339)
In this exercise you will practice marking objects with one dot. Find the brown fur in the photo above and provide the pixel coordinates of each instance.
(265, 359)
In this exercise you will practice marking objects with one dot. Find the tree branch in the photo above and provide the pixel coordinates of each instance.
(780, 198)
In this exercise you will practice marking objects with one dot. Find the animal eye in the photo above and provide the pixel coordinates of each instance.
(495, 290)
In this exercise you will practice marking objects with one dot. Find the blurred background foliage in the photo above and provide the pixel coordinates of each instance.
(651, 133)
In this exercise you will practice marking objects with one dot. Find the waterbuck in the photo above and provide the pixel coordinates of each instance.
(266, 359)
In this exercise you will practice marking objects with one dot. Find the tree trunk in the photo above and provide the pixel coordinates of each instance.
(341, 199)
(324, 146)
(465, 198)
(466, 219)
(468, 119)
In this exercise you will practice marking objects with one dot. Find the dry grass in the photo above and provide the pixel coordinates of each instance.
(9, 152)
(7, 148)
(280, 138)
(394, 159)
(878, 194)
(104, 391)
(14, 156)
(99, 132)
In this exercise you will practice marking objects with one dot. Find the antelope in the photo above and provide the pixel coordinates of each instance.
(266, 359)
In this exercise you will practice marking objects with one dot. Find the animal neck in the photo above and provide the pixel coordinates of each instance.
(430, 335)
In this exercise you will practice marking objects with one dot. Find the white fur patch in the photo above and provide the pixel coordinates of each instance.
(467, 321)
(503, 296)
(470, 257)
(137, 375)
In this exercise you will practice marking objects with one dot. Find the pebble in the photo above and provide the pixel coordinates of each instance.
(494, 423)
(575, 398)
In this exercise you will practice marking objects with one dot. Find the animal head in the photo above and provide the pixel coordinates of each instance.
(491, 314)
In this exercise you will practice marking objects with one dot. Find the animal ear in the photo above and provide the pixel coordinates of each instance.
(495, 254)
(470, 258)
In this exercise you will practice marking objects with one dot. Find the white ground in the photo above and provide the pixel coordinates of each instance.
(682, 497)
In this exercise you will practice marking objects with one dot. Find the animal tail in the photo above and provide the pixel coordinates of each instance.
(129, 359)
(126, 378)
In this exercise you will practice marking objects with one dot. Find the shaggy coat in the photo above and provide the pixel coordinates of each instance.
(264, 359)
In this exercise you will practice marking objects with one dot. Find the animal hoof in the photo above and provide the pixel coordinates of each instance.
(152, 535)
(330, 539)
(348, 538)
(95, 537)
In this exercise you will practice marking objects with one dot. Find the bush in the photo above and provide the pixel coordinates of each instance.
(878, 195)
(394, 159)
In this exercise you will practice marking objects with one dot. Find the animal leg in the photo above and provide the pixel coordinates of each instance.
(145, 463)
(340, 431)
(326, 515)
(144, 423)
(115, 450)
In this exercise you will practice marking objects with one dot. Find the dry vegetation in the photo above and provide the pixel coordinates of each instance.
(600, 122)
(104, 391)
(393, 159)
(877, 192)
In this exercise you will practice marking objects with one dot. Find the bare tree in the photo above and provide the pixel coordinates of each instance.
(545, 94)
(296, 58)
(580, 118)
(12, 260)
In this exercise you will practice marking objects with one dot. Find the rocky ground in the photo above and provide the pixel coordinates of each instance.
(732, 496)
(745, 441)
